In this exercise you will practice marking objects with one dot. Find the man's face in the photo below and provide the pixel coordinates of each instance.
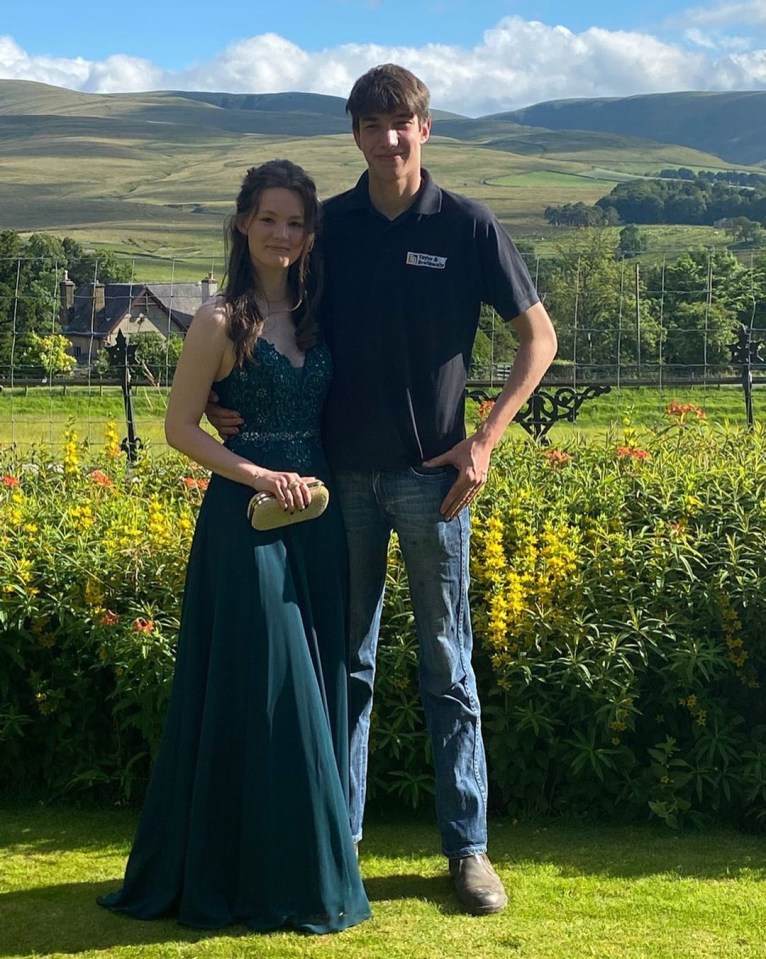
(391, 144)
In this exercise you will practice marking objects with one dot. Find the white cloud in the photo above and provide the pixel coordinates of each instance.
(740, 12)
(121, 74)
(698, 38)
(747, 70)
(518, 62)
(15, 64)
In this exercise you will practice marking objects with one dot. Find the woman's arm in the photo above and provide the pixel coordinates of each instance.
(203, 359)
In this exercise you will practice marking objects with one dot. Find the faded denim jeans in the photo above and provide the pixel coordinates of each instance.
(435, 556)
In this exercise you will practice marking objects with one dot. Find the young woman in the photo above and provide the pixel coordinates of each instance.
(246, 816)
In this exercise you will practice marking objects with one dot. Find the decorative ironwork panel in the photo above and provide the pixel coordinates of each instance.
(545, 408)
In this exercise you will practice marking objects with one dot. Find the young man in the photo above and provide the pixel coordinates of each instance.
(407, 267)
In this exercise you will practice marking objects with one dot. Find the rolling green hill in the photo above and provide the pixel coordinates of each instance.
(154, 174)
(731, 125)
(283, 114)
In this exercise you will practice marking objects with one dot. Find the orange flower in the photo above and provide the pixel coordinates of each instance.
(485, 408)
(682, 410)
(142, 625)
(10, 481)
(191, 482)
(101, 479)
(108, 618)
(632, 452)
(557, 457)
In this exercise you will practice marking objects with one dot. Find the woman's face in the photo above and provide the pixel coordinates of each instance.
(276, 230)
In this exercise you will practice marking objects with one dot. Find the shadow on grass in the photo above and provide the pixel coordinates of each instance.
(581, 849)
(436, 890)
(66, 919)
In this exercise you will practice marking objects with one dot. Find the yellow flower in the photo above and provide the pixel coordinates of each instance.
(112, 440)
(71, 456)
(93, 592)
(158, 527)
(498, 621)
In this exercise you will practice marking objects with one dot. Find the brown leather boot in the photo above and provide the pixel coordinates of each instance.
(477, 885)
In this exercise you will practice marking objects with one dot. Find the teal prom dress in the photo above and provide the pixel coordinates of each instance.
(246, 816)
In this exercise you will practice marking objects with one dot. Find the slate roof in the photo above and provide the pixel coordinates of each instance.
(179, 301)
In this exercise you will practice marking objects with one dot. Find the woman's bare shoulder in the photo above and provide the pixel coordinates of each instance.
(213, 315)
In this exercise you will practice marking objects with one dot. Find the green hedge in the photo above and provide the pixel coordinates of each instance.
(618, 596)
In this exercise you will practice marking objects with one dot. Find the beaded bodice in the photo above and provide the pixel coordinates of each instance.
(281, 406)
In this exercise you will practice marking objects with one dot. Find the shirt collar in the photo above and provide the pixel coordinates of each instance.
(428, 199)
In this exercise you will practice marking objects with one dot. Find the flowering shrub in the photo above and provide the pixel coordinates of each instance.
(618, 596)
(92, 562)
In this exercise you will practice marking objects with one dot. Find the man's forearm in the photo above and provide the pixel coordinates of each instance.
(533, 358)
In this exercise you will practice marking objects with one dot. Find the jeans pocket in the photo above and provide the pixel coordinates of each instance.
(431, 472)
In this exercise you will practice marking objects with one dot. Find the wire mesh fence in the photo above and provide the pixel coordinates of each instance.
(687, 319)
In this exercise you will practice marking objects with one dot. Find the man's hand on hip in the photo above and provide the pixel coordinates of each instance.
(471, 459)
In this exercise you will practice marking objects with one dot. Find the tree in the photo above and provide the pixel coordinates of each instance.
(686, 208)
(746, 231)
(26, 289)
(632, 241)
(578, 214)
(91, 266)
(701, 297)
(44, 356)
(494, 346)
(636, 202)
(591, 296)
(157, 355)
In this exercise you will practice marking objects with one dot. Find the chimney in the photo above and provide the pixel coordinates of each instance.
(66, 300)
(209, 287)
(97, 299)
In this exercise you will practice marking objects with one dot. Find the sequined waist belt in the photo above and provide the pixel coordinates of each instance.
(252, 436)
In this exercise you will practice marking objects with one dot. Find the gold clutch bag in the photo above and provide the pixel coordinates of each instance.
(264, 512)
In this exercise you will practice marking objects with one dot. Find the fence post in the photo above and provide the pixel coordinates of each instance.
(121, 356)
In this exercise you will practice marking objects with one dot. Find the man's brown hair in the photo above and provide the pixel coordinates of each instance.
(387, 88)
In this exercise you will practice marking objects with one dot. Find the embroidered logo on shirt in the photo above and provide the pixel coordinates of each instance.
(426, 259)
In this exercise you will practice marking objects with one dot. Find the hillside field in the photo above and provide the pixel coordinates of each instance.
(153, 176)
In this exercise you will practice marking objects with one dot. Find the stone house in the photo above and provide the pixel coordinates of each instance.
(93, 314)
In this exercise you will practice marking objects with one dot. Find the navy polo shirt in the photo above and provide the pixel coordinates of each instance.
(400, 312)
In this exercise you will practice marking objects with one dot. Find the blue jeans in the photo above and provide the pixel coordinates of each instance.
(435, 556)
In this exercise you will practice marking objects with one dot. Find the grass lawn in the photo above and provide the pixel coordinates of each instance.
(576, 891)
(41, 415)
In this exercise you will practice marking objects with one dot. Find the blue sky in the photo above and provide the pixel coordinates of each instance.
(478, 56)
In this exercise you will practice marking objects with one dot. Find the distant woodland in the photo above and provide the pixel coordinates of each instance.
(674, 197)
